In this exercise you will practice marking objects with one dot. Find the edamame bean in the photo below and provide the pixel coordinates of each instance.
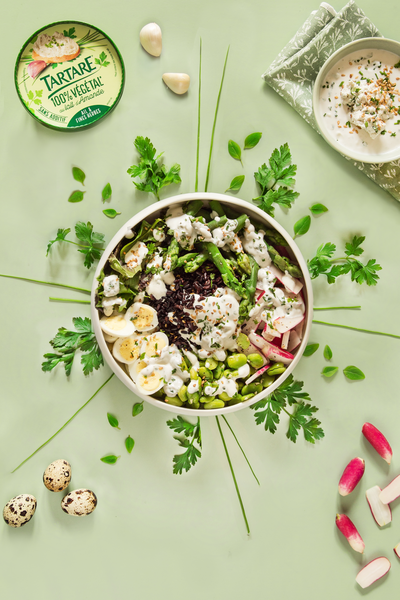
(267, 380)
(214, 404)
(245, 398)
(206, 373)
(219, 370)
(204, 399)
(224, 396)
(173, 401)
(276, 369)
(183, 395)
(255, 360)
(252, 388)
(193, 374)
(211, 363)
(195, 397)
(235, 361)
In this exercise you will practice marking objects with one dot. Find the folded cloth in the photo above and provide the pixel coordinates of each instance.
(293, 72)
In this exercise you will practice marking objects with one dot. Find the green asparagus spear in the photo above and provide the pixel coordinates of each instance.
(244, 263)
(214, 223)
(274, 237)
(217, 207)
(283, 263)
(194, 207)
(185, 259)
(250, 286)
(227, 276)
(196, 262)
(173, 254)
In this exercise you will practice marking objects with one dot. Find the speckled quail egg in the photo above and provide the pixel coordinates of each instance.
(79, 503)
(127, 350)
(117, 325)
(19, 510)
(154, 344)
(142, 316)
(57, 475)
(150, 379)
(135, 368)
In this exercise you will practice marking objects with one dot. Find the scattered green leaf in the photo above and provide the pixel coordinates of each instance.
(92, 239)
(61, 235)
(234, 150)
(318, 209)
(353, 373)
(327, 353)
(310, 349)
(189, 458)
(106, 193)
(76, 196)
(252, 140)
(329, 371)
(110, 213)
(78, 175)
(137, 408)
(236, 184)
(129, 444)
(111, 459)
(302, 226)
(113, 421)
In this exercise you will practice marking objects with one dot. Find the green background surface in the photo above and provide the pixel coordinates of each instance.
(156, 534)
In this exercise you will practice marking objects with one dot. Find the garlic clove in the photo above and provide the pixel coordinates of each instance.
(177, 82)
(36, 67)
(151, 39)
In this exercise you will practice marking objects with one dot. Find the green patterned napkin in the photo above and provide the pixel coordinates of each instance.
(293, 72)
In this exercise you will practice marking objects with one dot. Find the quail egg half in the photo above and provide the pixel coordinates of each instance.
(143, 316)
(19, 510)
(57, 476)
(127, 349)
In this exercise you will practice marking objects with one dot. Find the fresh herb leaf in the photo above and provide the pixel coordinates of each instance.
(318, 209)
(310, 349)
(129, 444)
(353, 247)
(110, 213)
(61, 235)
(106, 193)
(329, 371)
(327, 353)
(252, 140)
(302, 226)
(149, 175)
(78, 175)
(67, 342)
(189, 458)
(137, 408)
(113, 421)
(111, 459)
(302, 419)
(275, 181)
(76, 196)
(235, 184)
(92, 239)
(234, 150)
(353, 373)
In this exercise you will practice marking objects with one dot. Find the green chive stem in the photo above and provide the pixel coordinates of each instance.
(243, 452)
(69, 300)
(338, 308)
(196, 187)
(65, 424)
(215, 121)
(63, 285)
(358, 329)
(234, 478)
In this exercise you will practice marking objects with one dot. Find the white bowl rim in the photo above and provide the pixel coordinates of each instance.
(144, 214)
(373, 42)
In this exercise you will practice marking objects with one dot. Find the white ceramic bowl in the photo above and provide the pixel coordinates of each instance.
(150, 214)
(375, 43)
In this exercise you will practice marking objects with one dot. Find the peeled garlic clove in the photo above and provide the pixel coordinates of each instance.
(177, 82)
(36, 67)
(151, 39)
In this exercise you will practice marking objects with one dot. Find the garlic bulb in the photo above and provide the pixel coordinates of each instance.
(177, 82)
(151, 39)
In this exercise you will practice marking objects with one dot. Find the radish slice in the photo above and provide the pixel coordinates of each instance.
(257, 374)
(277, 354)
(269, 333)
(300, 327)
(378, 441)
(260, 294)
(284, 324)
(397, 550)
(351, 476)
(291, 283)
(373, 571)
(285, 340)
(381, 512)
(294, 341)
(349, 530)
(391, 491)
(257, 340)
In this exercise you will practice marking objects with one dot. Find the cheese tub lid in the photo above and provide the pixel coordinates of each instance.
(69, 75)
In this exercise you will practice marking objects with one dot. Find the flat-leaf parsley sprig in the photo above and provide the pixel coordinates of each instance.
(323, 263)
(91, 241)
(289, 393)
(276, 181)
(67, 342)
(150, 175)
(189, 458)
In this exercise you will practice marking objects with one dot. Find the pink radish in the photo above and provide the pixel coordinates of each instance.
(285, 340)
(300, 327)
(283, 324)
(378, 441)
(277, 354)
(349, 530)
(269, 332)
(373, 571)
(291, 283)
(260, 294)
(351, 476)
(391, 491)
(397, 550)
(257, 374)
(294, 341)
(381, 512)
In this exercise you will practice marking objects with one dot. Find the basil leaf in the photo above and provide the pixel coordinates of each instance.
(252, 140)
(76, 196)
(318, 209)
(310, 349)
(129, 443)
(302, 225)
(110, 213)
(353, 373)
(329, 371)
(106, 193)
(327, 353)
(234, 150)
(235, 184)
(111, 459)
(112, 420)
(137, 409)
(78, 175)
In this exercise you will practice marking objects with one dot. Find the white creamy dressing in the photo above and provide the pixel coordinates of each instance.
(167, 366)
(158, 235)
(186, 228)
(193, 359)
(157, 284)
(111, 285)
(355, 80)
(225, 236)
(255, 245)
(136, 254)
(109, 303)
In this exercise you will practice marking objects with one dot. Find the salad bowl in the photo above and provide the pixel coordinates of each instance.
(240, 207)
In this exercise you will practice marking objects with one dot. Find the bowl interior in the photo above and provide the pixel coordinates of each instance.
(152, 213)
(363, 44)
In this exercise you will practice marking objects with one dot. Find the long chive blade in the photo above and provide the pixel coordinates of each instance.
(215, 121)
(69, 300)
(63, 285)
(337, 308)
(243, 452)
(234, 478)
(196, 187)
(65, 424)
(358, 329)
